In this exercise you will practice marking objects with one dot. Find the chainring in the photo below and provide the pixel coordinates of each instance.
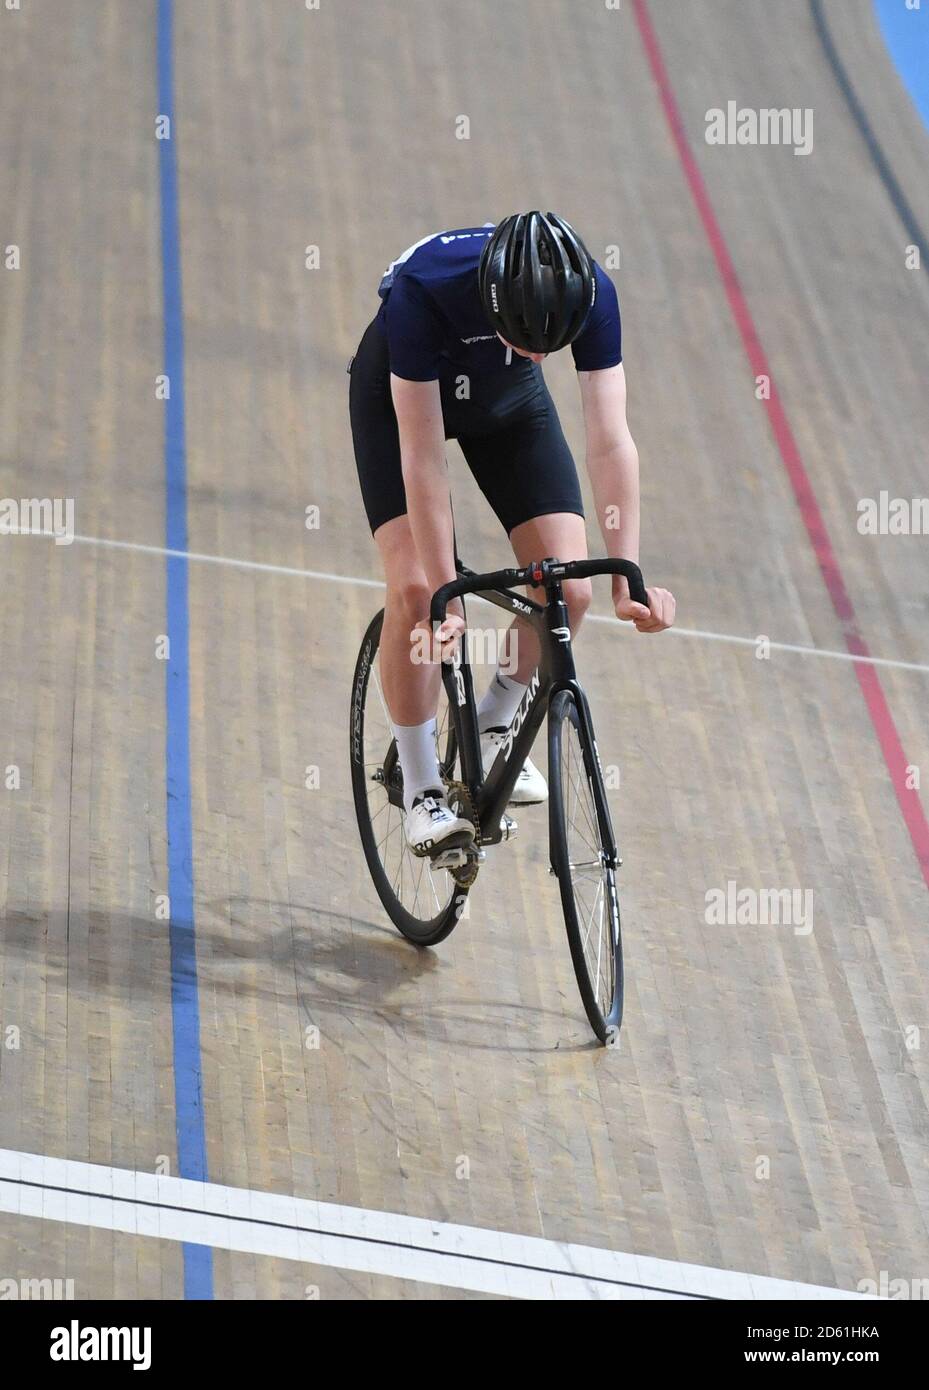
(460, 797)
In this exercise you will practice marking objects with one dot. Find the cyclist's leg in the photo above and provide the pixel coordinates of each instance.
(527, 473)
(555, 533)
(410, 688)
(564, 535)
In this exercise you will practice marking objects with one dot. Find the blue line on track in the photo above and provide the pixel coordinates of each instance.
(906, 34)
(185, 1004)
(859, 115)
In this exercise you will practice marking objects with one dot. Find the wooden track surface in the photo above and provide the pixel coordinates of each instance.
(336, 128)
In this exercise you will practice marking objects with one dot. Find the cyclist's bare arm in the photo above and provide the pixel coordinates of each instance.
(613, 468)
(612, 460)
(418, 407)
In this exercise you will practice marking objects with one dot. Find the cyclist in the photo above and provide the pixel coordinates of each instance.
(455, 352)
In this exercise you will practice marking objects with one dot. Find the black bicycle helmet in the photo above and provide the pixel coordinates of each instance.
(536, 281)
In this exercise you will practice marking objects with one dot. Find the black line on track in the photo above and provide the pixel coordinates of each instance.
(859, 115)
(362, 1240)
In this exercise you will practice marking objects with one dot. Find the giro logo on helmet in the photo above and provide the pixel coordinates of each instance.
(537, 282)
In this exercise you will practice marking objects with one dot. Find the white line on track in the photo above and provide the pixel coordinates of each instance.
(327, 577)
(371, 1242)
(384, 1243)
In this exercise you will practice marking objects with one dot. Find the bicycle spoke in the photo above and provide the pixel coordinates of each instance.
(576, 783)
(598, 902)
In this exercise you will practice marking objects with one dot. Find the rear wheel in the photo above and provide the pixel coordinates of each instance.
(583, 858)
(423, 904)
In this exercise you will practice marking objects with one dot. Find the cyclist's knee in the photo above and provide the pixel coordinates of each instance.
(409, 599)
(577, 594)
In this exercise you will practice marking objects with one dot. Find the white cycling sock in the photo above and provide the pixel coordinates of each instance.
(418, 761)
(500, 702)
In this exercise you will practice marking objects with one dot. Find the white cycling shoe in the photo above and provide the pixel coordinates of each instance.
(531, 787)
(431, 826)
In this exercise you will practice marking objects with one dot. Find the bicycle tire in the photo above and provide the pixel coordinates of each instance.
(602, 996)
(421, 930)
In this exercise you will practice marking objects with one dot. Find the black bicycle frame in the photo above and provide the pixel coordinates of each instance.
(554, 672)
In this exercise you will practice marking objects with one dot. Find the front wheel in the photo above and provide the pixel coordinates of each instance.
(584, 859)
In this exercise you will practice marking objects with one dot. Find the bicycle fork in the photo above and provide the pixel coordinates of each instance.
(564, 677)
(593, 770)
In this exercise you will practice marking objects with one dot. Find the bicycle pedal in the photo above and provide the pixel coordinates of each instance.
(457, 858)
(448, 859)
(508, 827)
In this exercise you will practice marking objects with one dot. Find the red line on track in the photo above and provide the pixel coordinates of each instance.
(868, 680)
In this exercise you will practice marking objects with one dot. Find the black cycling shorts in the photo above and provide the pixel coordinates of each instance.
(508, 430)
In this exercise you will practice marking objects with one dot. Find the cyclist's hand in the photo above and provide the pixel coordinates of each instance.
(447, 635)
(655, 618)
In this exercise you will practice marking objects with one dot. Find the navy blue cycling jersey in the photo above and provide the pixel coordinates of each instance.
(432, 314)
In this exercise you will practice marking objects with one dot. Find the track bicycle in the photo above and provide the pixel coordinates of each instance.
(425, 898)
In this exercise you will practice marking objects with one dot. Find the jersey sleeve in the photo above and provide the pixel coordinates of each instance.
(414, 331)
(600, 343)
